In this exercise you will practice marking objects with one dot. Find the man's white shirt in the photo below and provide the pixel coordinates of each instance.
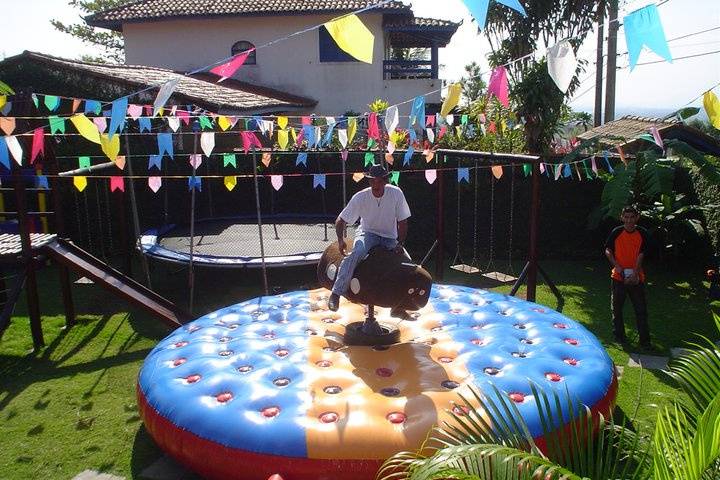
(378, 215)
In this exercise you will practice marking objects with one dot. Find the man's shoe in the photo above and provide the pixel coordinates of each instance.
(400, 313)
(334, 302)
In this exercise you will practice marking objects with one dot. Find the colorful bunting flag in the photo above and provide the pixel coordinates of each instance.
(227, 70)
(223, 123)
(144, 124)
(282, 122)
(499, 86)
(352, 129)
(301, 159)
(57, 124)
(452, 100)
(4, 154)
(369, 159)
(164, 94)
(394, 178)
(86, 128)
(430, 135)
(120, 162)
(343, 137)
(497, 171)
(283, 139)
(173, 123)
(429, 155)
(93, 106)
(3, 101)
(389, 158)
(357, 177)
(344, 155)
(117, 119)
(431, 176)
(155, 161)
(134, 111)
(195, 160)
(207, 142)
(165, 144)
(319, 181)
(230, 182)
(194, 183)
(6, 109)
(479, 8)
(527, 169)
(100, 123)
(276, 181)
(80, 183)
(712, 108)
(266, 159)
(52, 102)
(205, 123)
(110, 146)
(566, 171)
(656, 137)
(229, 159)
(408, 155)
(41, 181)
(154, 183)
(392, 118)
(562, 64)
(38, 144)
(353, 37)
(7, 125)
(117, 183)
(15, 148)
(417, 112)
(622, 155)
(84, 162)
(373, 127)
(463, 174)
(644, 28)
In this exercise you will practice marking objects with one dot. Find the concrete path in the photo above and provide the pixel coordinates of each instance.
(651, 362)
(93, 475)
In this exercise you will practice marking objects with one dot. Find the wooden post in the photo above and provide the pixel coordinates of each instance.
(599, 69)
(31, 290)
(126, 248)
(440, 232)
(612, 61)
(534, 223)
(435, 59)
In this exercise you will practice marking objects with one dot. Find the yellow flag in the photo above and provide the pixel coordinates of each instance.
(283, 139)
(353, 37)
(80, 183)
(452, 99)
(712, 107)
(282, 122)
(358, 176)
(224, 122)
(230, 183)
(111, 148)
(3, 100)
(352, 129)
(86, 128)
(293, 134)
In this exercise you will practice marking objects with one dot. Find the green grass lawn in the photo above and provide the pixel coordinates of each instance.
(71, 406)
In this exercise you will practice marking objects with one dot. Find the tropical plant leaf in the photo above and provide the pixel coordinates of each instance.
(619, 190)
(656, 176)
(709, 170)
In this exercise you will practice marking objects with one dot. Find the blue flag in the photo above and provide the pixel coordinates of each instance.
(165, 144)
(155, 161)
(644, 28)
(319, 181)
(195, 183)
(41, 181)
(567, 172)
(309, 134)
(479, 8)
(606, 156)
(145, 124)
(92, 106)
(408, 155)
(4, 154)
(6, 109)
(417, 113)
(328, 136)
(117, 119)
(301, 159)
(463, 174)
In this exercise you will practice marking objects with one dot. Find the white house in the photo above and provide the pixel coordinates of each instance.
(186, 35)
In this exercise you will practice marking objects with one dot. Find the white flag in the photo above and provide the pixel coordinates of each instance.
(562, 64)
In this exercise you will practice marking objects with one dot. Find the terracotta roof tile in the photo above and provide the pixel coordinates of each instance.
(207, 94)
(149, 10)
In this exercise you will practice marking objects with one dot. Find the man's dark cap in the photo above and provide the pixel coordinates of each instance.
(377, 171)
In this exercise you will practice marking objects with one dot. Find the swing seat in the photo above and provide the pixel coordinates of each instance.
(464, 268)
(499, 277)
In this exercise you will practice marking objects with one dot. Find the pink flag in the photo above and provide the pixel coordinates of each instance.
(250, 140)
(542, 167)
(442, 132)
(622, 155)
(155, 183)
(431, 176)
(430, 121)
(373, 127)
(306, 121)
(344, 155)
(277, 181)
(226, 70)
(195, 161)
(134, 111)
(499, 85)
(38, 145)
(148, 110)
(75, 104)
(117, 183)
(100, 123)
(184, 116)
(300, 137)
(656, 136)
(594, 165)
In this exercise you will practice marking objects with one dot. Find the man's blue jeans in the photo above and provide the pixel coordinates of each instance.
(363, 243)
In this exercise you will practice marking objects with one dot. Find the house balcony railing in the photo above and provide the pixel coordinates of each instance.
(406, 69)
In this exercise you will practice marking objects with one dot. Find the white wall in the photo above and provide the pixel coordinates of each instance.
(292, 65)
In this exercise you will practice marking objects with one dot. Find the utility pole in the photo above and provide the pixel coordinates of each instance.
(599, 68)
(613, 27)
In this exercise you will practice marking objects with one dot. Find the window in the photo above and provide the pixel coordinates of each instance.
(329, 51)
(243, 46)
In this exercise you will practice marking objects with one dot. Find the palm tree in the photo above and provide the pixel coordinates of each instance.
(492, 442)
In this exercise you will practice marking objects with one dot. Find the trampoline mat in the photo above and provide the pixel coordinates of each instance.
(225, 238)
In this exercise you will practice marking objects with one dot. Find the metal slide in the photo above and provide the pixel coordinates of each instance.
(82, 262)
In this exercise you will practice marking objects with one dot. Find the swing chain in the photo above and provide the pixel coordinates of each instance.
(474, 261)
(491, 258)
(512, 215)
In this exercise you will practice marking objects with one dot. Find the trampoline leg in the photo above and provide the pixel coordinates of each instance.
(371, 325)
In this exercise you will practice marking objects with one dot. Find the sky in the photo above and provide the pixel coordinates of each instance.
(659, 86)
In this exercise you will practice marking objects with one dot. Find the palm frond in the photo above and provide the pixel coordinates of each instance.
(5, 89)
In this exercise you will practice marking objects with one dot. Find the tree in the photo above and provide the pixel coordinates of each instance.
(110, 41)
(514, 38)
(473, 86)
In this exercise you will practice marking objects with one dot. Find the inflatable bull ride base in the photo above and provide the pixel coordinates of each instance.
(281, 385)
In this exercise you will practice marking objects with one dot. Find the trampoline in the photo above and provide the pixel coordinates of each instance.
(235, 241)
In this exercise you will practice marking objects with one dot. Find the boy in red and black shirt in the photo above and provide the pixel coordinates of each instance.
(625, 249)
